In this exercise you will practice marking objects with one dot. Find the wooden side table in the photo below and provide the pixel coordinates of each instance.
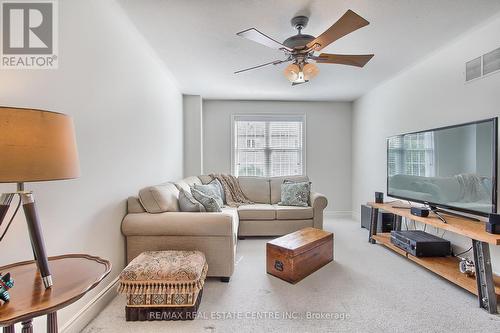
(73, 274)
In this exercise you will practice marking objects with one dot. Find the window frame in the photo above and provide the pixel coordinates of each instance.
(301, 116)
(414, 153)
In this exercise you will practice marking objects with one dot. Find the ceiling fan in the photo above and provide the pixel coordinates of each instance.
(300, 48)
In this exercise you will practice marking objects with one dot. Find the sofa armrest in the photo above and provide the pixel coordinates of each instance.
(178, 224)
(318, 203)
(318, 200)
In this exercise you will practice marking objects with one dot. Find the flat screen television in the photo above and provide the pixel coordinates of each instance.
(452, 167)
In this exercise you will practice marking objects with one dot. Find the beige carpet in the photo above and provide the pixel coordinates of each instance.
(367, 289)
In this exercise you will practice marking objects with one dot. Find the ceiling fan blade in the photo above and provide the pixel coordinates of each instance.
(257, 36)
(348, 23)
(276, 62)
(358, 60)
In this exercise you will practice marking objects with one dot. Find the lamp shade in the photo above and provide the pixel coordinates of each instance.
(36, 145)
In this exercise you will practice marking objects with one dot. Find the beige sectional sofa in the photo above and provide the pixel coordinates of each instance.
(154, 222)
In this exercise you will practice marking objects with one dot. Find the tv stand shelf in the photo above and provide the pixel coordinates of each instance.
(485, 285)
(459, 225)
(447, 267)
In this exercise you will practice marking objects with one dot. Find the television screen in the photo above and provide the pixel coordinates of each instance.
(452, 167)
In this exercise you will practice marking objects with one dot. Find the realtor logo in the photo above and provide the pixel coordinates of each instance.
(29, 34)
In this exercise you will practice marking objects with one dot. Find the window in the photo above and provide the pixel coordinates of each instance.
(412, 154)
(268, 145)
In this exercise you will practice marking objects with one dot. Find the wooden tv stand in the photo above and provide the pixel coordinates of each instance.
(485, 285)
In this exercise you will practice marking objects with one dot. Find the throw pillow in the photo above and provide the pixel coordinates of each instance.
(188, 203)
(221, 189)
(295, 194)
(211, 190)
(210, 203)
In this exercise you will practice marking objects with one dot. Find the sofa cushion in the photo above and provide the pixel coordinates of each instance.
(205, 179)
(218, 184)
(187, 182)
(160, 198)
(134, 205)
(256, 189)
(257, 212)
(210, 203)
(187, 203)
(275, 183)
(293, 212)
(182, 185)
(295, 194)
(212, 190)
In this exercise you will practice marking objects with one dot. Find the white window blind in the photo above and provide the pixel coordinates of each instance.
(268, 145)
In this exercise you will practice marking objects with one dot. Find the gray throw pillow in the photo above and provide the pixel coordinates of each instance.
(217, 183)
(210, 203)
(187, 203)
(295, 194)
(212, 190)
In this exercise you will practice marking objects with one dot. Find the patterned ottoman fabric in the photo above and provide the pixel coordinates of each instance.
(164, 278)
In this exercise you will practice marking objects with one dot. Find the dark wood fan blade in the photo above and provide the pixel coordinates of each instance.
(276, 62)
(348, 23)
(358, 60)
(257, 36)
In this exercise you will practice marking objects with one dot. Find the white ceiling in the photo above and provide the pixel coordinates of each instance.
(197, 41)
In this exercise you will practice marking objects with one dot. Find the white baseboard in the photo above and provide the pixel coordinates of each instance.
(337, 213)
(78, 322)
(356, 216)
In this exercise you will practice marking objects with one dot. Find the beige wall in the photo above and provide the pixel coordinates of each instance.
(128, 118)
(430, 94)
(328, 142)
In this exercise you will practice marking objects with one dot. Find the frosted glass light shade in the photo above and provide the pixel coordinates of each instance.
(310, 71)
(36, 145)
(292, 72)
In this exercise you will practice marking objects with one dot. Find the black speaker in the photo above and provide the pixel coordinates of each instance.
(493, 224)
(379, 197)
(418, 211)
(385, 220)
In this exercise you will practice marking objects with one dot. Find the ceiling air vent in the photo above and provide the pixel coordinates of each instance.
(486, 64)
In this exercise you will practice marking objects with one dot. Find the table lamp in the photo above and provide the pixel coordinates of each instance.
(35, 145)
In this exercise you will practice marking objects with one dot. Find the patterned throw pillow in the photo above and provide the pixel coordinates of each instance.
(210, 203)
(295, 194)
(212, 190)
(187, 203)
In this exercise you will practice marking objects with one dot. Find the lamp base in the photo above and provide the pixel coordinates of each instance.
(36, 236)
(34, 227)
(47, 281)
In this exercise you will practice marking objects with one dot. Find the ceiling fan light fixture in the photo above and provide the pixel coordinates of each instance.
(301, 48)
(292, 72)
(300, 78)
(310, 71)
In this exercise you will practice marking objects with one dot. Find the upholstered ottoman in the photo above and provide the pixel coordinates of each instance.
(163, 285)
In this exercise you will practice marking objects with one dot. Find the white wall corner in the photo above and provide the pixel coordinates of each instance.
(193, 135)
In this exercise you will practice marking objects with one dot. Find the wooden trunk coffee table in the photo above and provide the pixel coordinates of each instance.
(296, 255)
(73, 274)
